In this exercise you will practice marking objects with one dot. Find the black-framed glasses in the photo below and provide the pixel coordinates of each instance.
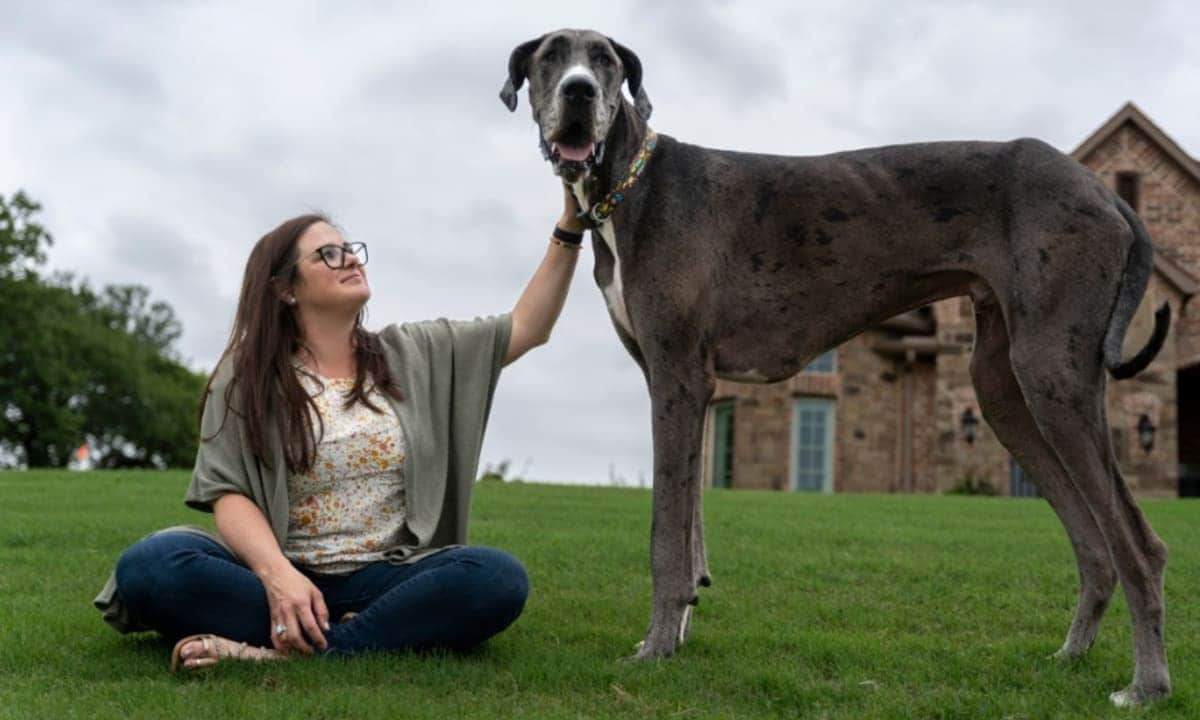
(334, 256)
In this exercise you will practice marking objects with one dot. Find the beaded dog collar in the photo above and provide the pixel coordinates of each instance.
(598, 213)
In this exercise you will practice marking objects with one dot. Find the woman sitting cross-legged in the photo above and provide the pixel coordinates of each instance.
(339, 465)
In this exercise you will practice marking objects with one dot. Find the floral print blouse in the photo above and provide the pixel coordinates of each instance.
(350, 505)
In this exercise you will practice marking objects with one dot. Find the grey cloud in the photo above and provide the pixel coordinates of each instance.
(940, 70)
(474, 241)
(466, 77)
(178, 270)
(149, 245)
(80, 45)
(717, 52)
(574, 418)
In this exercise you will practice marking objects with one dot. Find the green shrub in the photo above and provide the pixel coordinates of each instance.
(970, 484)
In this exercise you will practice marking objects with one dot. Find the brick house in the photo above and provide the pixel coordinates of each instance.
(890, 410)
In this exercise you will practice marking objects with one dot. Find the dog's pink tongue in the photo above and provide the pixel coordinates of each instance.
(578, 154)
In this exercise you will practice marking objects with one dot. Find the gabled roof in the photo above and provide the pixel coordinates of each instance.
(1181, 279)
(1130, 113)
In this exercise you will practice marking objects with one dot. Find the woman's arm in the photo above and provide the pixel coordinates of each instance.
(540, 304)
(294, 600)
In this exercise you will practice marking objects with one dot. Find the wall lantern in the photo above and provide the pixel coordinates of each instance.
(1145, 431)
(969, 423)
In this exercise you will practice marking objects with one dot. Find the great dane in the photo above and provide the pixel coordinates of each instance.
(719, 264)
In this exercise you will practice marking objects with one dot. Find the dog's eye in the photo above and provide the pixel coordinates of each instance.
(550, 56)
(604, 60)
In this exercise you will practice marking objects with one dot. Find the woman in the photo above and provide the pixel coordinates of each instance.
(338, 464)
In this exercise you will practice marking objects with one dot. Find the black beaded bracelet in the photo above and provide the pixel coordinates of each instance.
(573, 238)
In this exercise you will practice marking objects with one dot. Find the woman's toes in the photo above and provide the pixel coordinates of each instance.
(211, 650)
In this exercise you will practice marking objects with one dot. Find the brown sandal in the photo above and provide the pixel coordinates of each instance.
(223, 652)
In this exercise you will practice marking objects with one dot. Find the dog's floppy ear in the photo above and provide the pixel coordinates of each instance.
(633, 75)
(518, 69)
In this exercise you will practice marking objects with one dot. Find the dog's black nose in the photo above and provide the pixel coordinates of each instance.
(579, 91)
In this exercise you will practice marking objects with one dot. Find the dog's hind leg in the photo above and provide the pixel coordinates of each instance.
(1003, 406)
(1067, 403)
(679, 395)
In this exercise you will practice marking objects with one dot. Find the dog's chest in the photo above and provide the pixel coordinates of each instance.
(614, 292)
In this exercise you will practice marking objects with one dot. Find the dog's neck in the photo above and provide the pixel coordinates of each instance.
(622, 143)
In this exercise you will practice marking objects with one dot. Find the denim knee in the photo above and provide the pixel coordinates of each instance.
(146, 566)
(503, 584)
(135, 572)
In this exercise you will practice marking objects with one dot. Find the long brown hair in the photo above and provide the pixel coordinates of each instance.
(264, 339)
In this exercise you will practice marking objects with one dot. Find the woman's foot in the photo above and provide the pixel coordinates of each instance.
(197, 651)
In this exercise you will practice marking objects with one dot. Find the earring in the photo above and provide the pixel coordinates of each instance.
(291, 300)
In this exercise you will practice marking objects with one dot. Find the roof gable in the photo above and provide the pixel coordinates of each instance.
(1179, 278)
(1130, 113)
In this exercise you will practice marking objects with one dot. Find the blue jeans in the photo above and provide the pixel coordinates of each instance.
(180, 584)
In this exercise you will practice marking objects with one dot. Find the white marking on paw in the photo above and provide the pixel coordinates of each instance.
(684, 623)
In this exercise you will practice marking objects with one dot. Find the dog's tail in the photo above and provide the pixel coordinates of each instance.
(1138, 266)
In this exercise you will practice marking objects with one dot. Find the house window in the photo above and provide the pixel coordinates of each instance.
(1127, 188)
(722, 444)
(812, 444)
(826, 363)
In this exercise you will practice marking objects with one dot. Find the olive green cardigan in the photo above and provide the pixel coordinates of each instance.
(447, 371)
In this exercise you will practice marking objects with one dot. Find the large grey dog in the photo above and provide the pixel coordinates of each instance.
(741, 266)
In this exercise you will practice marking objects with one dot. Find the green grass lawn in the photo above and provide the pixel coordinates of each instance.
(844, 606)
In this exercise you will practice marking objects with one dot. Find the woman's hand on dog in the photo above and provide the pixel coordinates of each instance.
(570, 216)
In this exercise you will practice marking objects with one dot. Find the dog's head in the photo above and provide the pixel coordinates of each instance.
(575, 81)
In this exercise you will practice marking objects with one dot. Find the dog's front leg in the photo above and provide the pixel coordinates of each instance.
(700, 573)
(679, 396)
(699, 555)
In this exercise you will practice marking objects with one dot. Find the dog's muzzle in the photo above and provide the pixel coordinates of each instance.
(575, 119)
(558, 155)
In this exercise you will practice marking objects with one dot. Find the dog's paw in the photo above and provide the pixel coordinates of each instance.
(1134, 696)
(1065, 655)
(635, 657)
(639, 655)
(1124, 698)
(648, 649)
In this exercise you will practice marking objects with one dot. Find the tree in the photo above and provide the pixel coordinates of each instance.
(140, 404)
(76, 363)
(38, 375)
(127, 308)
(21, 239)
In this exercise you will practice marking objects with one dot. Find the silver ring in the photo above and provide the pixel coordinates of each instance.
(280, 629)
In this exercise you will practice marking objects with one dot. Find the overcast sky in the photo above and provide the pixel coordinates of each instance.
(164, 138)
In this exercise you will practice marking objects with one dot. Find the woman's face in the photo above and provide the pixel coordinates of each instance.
(319, 287)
